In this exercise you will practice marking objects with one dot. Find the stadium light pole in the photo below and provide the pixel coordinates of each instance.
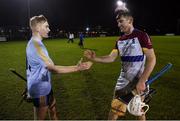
(28, 6)
(28, 17)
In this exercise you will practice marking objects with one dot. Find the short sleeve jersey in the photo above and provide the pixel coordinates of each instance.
(130, 48)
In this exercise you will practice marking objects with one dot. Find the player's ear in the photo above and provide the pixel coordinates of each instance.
(37, 28)
(130, 19)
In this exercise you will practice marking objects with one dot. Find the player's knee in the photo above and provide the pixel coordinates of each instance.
(118, 107)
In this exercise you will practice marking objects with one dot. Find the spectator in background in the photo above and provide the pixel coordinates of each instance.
(81, 39)
(71, 37)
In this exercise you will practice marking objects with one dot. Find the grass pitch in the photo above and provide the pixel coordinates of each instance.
(88, 94)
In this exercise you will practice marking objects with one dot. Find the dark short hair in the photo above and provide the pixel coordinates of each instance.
(124, 13)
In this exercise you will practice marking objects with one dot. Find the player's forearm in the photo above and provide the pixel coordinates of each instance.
(61, 69)
(150, 63)
(104, 59)
(66, 69)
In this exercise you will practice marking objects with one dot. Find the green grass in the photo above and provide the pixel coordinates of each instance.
(88, 94)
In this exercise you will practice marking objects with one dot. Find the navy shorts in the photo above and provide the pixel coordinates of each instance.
(43, 101)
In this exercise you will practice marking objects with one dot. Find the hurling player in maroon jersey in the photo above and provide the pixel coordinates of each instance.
(137, 62)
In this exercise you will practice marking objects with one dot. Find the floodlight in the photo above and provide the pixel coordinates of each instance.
(119, 3)
(87, 28)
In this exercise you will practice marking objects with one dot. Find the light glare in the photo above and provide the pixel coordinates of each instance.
(87, 29)
(119, 3)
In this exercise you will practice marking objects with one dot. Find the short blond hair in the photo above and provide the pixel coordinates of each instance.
(36, 20)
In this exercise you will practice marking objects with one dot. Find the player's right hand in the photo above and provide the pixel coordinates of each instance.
(85, 65)
(89, 54)
(140, 87)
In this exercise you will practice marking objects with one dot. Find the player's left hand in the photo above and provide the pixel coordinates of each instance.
(141, 86)
(89, 54)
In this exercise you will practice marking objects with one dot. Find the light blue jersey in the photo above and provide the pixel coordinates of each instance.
(38, 76)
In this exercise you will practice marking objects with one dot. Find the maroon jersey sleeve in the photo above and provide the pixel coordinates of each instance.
(145, 41)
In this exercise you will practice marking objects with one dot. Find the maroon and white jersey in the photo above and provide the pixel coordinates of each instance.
(130, 49)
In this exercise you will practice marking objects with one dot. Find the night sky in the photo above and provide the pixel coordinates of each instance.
(157, 15)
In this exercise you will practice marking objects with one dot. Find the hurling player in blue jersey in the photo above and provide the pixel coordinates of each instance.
(137, 62)
(39, 68)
